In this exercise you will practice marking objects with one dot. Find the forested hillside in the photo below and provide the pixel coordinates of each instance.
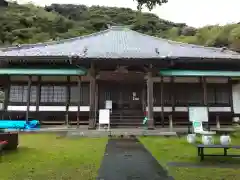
(31, 24)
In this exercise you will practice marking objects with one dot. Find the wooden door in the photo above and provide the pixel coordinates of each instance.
(123, 95)
(131, 96)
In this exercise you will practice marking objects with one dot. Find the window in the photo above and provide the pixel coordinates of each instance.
(222, 95)
(83, 93)
(53, 94)
(59, 94)
(18, 93)
(210, 94)
(156, 94)
(188, 94)
(74, 94)
(218, 94)
(167, 93)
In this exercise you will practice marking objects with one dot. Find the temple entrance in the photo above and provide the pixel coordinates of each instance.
(126, 90)
(127, 102)
(124, 96)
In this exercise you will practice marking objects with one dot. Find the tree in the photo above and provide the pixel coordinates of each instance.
(150, 4)
(30, 24)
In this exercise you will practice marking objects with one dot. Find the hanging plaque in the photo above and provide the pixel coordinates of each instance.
(108, 104)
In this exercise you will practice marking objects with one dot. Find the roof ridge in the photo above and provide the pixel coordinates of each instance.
(27, 46)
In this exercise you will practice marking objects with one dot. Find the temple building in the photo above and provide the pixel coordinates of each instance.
(68, 81)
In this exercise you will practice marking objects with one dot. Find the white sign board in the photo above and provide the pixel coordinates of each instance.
(108, 104)
(104, 116)
(199, 114)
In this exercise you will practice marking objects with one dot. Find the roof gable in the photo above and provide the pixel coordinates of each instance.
(118, 42)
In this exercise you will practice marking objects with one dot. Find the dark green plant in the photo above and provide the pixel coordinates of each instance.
(21, 24)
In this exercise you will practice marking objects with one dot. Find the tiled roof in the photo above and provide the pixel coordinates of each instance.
(118, 42)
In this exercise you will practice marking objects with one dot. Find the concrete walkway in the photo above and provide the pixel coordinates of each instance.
(127, 159)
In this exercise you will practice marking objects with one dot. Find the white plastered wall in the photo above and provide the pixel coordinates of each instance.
(236, 98)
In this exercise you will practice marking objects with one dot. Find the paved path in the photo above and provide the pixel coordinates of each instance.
(127, 159)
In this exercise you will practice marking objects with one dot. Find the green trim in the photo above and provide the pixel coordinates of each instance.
(199, 73)
(24, 71)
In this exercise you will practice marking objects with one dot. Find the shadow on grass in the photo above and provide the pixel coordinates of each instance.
(213, 162)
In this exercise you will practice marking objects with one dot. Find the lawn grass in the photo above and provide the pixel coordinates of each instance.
(45, 157)
(178, 150)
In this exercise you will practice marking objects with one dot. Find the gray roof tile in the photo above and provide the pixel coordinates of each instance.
(118, 42)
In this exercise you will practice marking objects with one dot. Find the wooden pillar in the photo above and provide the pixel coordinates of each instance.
(150, 100)
(204, 84)
(7, 86)
(171, 117)
(38, 98)
(144, 99)
(230, 84)
(28, 96)
(170, 123)
(162, 102)
(79, 100)
(218, 126)
(92, 97)
(205, 99)
(68, 100)
(38, 93)
(96, 103)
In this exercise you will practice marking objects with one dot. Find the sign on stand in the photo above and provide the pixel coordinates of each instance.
(104, 118)
(199, 114)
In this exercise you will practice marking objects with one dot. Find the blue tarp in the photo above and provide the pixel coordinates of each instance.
(19, 124)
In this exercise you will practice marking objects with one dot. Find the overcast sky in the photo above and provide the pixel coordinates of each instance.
(195, 13)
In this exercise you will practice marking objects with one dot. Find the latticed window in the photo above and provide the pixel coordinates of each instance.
(51, 93)
(19, 93)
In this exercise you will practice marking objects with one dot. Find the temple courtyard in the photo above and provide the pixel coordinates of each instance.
(53, 156)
